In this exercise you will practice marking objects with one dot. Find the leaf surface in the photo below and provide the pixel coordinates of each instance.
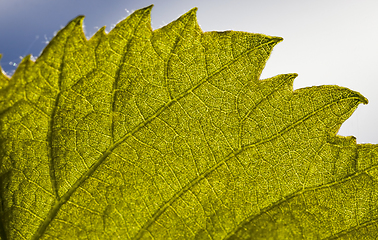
(171, 134)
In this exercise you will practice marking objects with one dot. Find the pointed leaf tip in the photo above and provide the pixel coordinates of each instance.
(364, 100)
(193, 10)
(190, 13)
(146, 9)
(361, 97)
(278, 39)
(26, 58)
(150, 6)
(77, 20)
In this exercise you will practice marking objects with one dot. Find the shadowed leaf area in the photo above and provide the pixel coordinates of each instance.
(171, 134)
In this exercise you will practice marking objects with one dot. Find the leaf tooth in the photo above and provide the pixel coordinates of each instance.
(363, 99)
(125, 25)
(57, 40)
(169, 36)
(277, 39)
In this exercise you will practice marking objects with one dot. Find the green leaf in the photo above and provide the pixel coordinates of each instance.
(170, 134)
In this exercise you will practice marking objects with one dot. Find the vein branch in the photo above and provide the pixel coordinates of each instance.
(58, 204)
(235, 153)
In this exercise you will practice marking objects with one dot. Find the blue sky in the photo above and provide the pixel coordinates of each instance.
(325, 42)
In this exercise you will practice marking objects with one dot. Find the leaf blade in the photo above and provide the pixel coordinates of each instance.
(164, 134)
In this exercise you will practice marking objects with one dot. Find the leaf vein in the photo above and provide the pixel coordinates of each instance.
(232, 154)
(58, 204)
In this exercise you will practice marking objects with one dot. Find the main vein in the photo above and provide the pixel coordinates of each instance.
(58, 204)
(235, 153)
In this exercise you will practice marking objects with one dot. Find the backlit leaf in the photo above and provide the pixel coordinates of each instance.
(171, 134)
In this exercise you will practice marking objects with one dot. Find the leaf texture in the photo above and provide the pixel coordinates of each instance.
(171, 134)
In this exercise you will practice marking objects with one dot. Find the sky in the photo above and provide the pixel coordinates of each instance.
(331, 42)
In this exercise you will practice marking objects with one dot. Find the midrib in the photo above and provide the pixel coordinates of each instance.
(56, 207)
(228, 157)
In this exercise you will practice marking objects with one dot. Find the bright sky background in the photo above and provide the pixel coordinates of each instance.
(325, 41)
